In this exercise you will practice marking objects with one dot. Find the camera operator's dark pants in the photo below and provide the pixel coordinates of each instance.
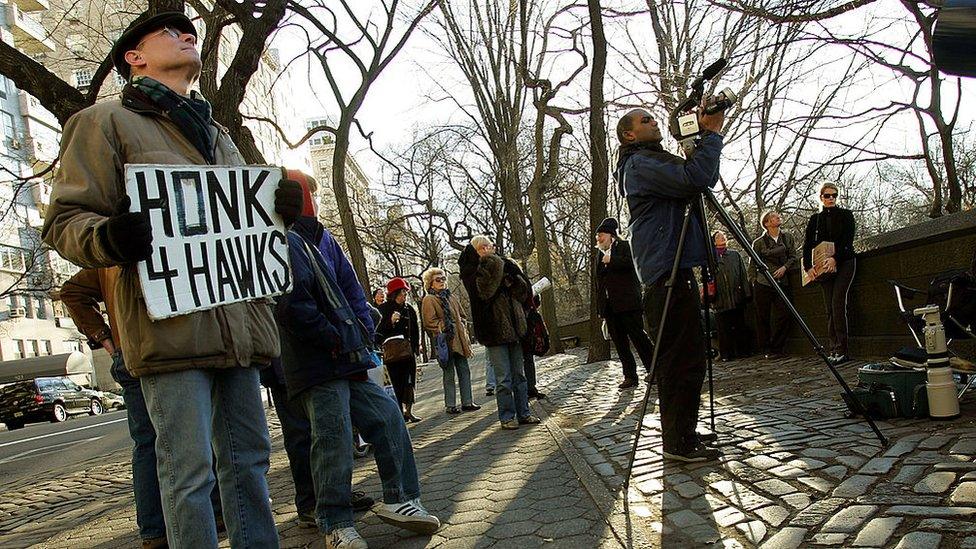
(681, 358)
(626, 328)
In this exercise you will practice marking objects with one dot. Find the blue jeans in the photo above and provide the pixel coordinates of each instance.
(199, 414)
(511, 392)
(145, 484)
(458, 364)
(490, 380)
(297, 433)
(334, 407)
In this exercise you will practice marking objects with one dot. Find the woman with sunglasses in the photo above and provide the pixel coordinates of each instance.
(442, 316)
(833, 224)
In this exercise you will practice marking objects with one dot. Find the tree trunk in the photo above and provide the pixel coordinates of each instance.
(537, 214)
(354, 245)
(600, 173)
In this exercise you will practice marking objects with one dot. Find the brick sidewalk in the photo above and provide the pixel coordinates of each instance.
(490, 488)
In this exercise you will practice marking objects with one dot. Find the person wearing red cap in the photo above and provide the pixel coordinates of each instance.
(326, 352)
(399, 331)
(199, 372)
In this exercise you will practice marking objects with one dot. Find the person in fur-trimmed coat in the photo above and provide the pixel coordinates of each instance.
(497, 289)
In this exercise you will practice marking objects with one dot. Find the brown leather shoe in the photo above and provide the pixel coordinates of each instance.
(627, 384)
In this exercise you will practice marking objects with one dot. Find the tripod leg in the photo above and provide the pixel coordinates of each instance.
(743, 240)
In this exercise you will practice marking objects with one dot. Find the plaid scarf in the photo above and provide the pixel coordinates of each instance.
(192, 115)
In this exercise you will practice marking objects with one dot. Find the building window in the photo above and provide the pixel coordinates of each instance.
(58, 307)
(29, 306)
(19, 348)
(7, 125)
(3, 87)
(48, 349)
(30, 348)
(83, 77)
(71, 345)
(12, 259)
(41, 308)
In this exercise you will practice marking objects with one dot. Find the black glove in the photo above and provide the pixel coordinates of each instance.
(289, 201)
(127, 236)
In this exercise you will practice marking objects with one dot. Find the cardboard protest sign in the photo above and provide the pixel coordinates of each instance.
(216, 236)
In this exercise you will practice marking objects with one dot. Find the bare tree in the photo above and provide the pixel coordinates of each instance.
(371, 46)
(600, 172)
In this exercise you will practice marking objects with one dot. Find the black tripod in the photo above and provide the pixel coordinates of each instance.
(743, 240)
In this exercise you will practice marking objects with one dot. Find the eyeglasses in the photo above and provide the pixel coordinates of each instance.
(165, 30)
(440, 279)
(829, 195)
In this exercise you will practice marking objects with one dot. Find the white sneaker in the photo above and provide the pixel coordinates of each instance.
(345, 538)
(409, 515)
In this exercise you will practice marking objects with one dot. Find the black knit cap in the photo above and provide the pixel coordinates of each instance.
(609, 226)
(143, 25)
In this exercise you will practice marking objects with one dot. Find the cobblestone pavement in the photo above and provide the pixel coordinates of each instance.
(795, 472)
(491, 488)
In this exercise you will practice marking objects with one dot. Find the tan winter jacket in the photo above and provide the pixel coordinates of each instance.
(432, 315)
(96, 145)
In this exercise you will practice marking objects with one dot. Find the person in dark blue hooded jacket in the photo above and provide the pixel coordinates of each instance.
(326, 352)
(658, 186)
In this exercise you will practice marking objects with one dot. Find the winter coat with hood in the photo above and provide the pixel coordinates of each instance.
(657, 186)
(313, 348)
(497, 290)
(96, 144)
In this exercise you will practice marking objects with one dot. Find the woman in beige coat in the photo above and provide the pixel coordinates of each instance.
(441, 317)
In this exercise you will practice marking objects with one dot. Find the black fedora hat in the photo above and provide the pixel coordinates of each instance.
(143, 25)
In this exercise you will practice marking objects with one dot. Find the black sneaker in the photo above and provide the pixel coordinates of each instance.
(470, 408)
(707, 438)
(453, 410)
(360, 501)
(699, 454)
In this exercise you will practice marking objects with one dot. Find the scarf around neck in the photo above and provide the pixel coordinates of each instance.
(192, 115)
(445, 298)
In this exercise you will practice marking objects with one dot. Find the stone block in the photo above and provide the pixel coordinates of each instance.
(931, 511)
(829, 539)
(908, 474)
(877, 532)
(787, 538)
(920, 540)
(689, 490)
(728, 516)
(966, 445)
(935, 483)
(854, 486)
(817, 483)
(754, 531)
(774, 514)
(775, 487)
(964, 494)
(944, 525)
(849, 519)
(877, 466)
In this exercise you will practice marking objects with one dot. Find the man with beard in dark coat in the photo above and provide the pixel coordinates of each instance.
(658, 187)
(618, 298)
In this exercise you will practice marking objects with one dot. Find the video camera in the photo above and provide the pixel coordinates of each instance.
(683, 122)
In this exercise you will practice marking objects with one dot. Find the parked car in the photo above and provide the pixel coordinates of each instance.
(51, 399)
(111, 400)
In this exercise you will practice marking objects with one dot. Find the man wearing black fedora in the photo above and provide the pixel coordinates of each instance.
(618, 297)
(198, 371)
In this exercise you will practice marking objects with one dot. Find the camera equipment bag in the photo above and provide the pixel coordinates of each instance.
(887, 391)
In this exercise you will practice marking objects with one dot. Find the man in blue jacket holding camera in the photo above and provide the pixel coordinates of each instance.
(658, 187)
